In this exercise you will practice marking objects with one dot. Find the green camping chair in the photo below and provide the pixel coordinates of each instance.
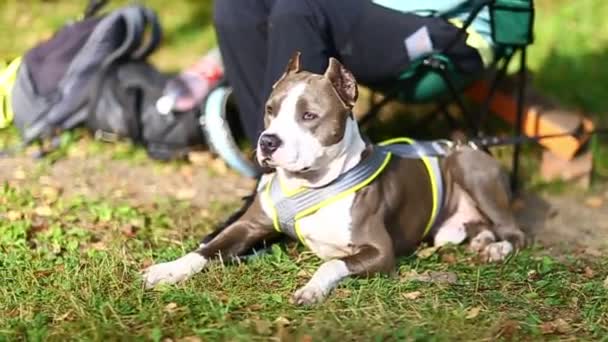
(435, 78)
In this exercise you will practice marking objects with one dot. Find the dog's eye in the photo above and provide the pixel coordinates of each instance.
(309, 116)
(268, 109)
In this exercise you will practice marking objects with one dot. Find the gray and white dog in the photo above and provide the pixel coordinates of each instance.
(313, 143)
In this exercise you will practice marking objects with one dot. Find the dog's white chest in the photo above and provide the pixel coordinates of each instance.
(328, 232)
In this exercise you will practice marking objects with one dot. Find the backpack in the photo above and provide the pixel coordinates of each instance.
(93, 72)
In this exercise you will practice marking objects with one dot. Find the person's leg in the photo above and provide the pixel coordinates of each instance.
(241, 27)
(378, 50)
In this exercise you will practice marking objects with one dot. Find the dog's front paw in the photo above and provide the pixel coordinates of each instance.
(174, 271)
(308, 295)
(497, 251)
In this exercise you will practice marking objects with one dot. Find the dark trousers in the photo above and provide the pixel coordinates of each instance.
(257, 38)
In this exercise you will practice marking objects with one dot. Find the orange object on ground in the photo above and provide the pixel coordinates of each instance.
(536, 123)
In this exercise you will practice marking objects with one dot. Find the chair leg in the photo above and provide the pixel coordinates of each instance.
(485, 106)
(519, 120)
(460, 103)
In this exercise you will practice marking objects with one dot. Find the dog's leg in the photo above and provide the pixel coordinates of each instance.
(238, 237)
(375, 256)
(484, 180)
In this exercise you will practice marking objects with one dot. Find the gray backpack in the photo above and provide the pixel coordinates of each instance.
(93, 73)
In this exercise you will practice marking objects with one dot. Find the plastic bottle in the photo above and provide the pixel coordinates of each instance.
(188, 89)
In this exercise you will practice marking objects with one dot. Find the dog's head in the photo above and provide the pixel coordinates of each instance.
(308, 118)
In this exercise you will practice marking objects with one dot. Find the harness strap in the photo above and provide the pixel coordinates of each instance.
(428, 151)
(289, 208)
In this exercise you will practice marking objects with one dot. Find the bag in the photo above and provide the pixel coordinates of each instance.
(125, 107)
(94, 72)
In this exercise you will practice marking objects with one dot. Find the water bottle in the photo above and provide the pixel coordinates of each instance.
(188, 89)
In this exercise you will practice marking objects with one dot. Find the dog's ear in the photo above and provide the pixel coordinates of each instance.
(292, 66)
(343, 82)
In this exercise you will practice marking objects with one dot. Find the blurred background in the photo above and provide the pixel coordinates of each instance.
(566, 60)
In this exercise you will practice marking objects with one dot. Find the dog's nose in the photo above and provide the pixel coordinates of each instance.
(269, 143)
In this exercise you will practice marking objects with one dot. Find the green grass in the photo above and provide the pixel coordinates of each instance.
(72, 274)
(69, 266)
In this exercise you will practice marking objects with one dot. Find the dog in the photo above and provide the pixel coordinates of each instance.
(356, 205)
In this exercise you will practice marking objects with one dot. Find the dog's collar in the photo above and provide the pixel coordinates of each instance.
(289, 207)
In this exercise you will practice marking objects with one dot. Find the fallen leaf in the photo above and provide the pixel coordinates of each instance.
(147, 263)
(50, 193)
(507, 329)
(44, 211)
(19, 174)
(219, 166)
(13, 215)
(306, 338)
(412, 295)
(589, 273)
(594, 202)
(432, 277)
(606, 283)
(262, 327)
(473, 312)
(171, 307)
(190, 339)
(547, 328)
(283, 333)
(199, 157)
(185, 194)
(128, 230)
(559, 326)
(426, 253)
(562, 326)
(448, 258)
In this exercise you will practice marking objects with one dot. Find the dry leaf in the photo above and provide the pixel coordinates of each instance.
(448, 258)
(218, 165)
(167, 339)
(559, 326)
(185, 193)
(171, 307)
(606, 283)
(589, 273)
(432, 277)
(562, 326)
(128, 230)
(427, 252)
(44, 211)
(13, 215)
(190, 339)
(199, 157)
(594, 202)
(262, 327)
(283, 333)
(473, 312)
(50, 193)
(412, 295)
(507, 329)
(19, 174)
(306, 338)
(147, 263)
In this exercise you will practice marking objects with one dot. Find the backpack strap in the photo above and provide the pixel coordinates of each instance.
(136, 19)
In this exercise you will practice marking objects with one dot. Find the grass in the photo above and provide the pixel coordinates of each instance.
(70, 272)
(69, 266)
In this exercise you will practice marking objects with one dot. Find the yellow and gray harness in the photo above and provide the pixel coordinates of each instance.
(289, 207)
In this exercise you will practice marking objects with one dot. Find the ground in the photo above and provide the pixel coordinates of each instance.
(76, 229)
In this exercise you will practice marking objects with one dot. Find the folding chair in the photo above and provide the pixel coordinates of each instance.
(435, 78)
